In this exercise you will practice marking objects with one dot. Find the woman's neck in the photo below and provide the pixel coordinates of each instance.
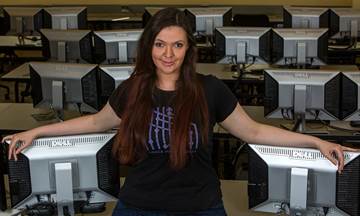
(167, 83)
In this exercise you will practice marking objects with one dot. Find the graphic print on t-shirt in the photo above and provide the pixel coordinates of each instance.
(160, 130)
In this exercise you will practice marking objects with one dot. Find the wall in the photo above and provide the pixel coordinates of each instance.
(180, 2)
(356, 3)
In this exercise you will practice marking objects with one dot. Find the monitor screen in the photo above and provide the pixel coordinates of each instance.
(116, 46)
(350, 92)
(65, 18)
(64, 86)
(344, 22)
(313, 94)
(294, 47)
(301, 181)
(243, 45)
(306, 17)
(67, 45)
(65, 172)
(110, 77)
(205, 20)
(23, 20)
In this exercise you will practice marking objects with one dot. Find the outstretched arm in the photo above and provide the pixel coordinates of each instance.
(239, 124)
(104, 120)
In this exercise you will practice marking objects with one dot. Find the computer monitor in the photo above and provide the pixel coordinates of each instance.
(350, 93)
(345, 22)
(151, 11)
(306, 17)
(300, 47)
(23, 20)
(302, 182)
(62, 86)
(65, 18)
(111, 76)
(148, 13)
(345, 25)
(243, 45)
(67, 173)
(116, 46)
(67, 45)
(204, 20)
(302, 95)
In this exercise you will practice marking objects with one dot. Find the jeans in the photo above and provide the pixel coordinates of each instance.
(122, 210)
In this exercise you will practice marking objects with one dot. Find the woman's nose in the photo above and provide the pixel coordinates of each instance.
(169, 52)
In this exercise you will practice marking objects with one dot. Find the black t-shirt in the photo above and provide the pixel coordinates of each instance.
(151, 184)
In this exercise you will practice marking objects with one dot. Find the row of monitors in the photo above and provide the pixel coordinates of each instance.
(203, 20)
(340, 21)
(99, 47)
(83, 87)
(29, 20)
(280, 46)
(237, 45)
(317, 94)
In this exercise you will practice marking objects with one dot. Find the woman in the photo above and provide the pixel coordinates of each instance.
(165, 113)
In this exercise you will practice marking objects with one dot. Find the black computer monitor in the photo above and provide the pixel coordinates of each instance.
(301, 181)
(350, 93)
(243, 45)
(345, 23)
(23, 20)
(204, 20)
(111, 76)
(299, 47)
(67, 45)
(116, 46)
(306, 17)
(65, 18)
(302, 95)
(62, 86)
(148, 13)
(64, 175)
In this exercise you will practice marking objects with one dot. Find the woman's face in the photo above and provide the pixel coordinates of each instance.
(169, 50)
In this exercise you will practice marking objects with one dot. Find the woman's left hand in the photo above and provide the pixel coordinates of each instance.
(335, 153)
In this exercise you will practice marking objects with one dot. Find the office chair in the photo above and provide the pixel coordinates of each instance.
(251, 20)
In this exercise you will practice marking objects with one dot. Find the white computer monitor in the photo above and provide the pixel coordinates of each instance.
(65, 17)
(116, 46)
(111, 76)
(61, 174)
(62, 86)
(243, 45)
(23, 20)
(306, 17)
(302, 94)
(67, 45)
(299, 47)
(204, 20)
(302, 182)
(344, 22)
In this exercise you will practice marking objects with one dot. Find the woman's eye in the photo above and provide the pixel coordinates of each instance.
(178, 45)
(158, 44)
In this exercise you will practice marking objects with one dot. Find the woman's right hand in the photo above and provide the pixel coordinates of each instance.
(18, 142)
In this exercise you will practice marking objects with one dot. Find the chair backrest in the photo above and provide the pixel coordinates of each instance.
(255, 20)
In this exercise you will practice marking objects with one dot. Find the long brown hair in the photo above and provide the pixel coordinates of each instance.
(189, 103)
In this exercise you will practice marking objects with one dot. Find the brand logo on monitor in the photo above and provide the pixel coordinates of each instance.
(302, 155)
(61, 143)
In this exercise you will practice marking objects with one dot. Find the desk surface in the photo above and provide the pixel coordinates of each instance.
(18, 117)
(13, 41)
